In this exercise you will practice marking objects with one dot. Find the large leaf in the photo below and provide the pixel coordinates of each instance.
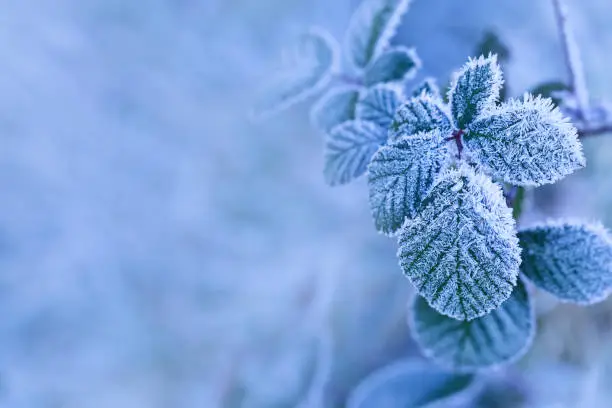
(394, 65)
(378, 105)
(372, 26)
(526, 142)
(474, 90)
(413, 384)
(349, 148)
(335, 107)
(571, 260)
(461, 250)
(307, 69)
(497, 338)
(420, 114)
(400, 175)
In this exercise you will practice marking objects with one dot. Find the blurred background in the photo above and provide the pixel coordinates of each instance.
(159, 250)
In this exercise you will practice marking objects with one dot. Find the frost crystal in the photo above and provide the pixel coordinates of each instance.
(429, 87)
(349, 148)
(335, 107)
(497, 338)
(413, 384)
(394, 65)
(475, 89)
(461, 250)
(421, 114)
(571, 260)
(378, 105)
(371, 28)
(526, 142)
(400, 175)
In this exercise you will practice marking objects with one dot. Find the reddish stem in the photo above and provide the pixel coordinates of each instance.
(457, 138)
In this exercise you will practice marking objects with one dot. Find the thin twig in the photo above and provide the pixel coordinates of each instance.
(573, 61)
(595, 131)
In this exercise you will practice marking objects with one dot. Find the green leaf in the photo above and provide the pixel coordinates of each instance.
(397, 64)
(400, 175)
(371, 28)
(420, 114)
(306, 70)
(335, 107)
(550, 90)
(378, 105)
(461, 250)
(497, 338)
(349, 148)
(571, 260)
(525, 143)
(474, 90)
(429, 86)
(491, 43)
(413, 384)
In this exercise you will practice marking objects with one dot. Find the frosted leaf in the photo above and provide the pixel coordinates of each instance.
(394, 65)
(474, 90)
(335, 107)
(349, 148)
(461, 250)
(420, 114)
(498, 338)
(429, 87)
(400, 175)
(571, 260)
(371, 28)
(526, 142)
(306, 69)
(378, 105)
(410, 384)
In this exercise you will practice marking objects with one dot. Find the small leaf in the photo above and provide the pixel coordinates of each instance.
(378, 105)
(400, 175)
(349, 148)
(526, 143)
(461, 250)
(571, 260)
(421, 114)
(497, 338)
(413, 384)
(394, 65)
(371, 28)
(551, 90)
(335, 107)
(306, 70)
(474, 90)
(491, 43)
(429, 87)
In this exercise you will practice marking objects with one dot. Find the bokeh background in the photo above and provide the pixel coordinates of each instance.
(159, 250)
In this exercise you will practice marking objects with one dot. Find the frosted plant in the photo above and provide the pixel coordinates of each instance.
(446, 176)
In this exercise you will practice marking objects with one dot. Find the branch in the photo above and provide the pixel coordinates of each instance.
(573, 61)
(595, 131)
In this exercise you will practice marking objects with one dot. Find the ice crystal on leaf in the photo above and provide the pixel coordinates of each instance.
(461, 250)
(497, 338)
(335, 107)
(429, 86)
(400, 175)
(420, 114)
(394, 65)
(378, 105)
(571, 260)
(525, 142)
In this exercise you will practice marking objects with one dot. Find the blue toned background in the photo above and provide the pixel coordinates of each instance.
(159, 250)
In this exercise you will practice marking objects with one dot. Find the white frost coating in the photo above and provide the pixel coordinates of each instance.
(400, 176)
(421, 114)
(499, 338)
(335, 107)
(307, 68)
(371, 28)
(378, 105)
(349, 148)
(570, 259)
(475, 89)
(526, 142)
(413, 383)
(429, 86)
(397, 64)
(461, 251)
